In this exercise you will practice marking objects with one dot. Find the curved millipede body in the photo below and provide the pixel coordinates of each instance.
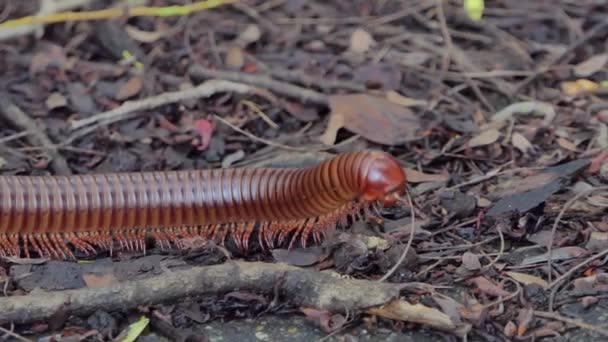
(88, 211)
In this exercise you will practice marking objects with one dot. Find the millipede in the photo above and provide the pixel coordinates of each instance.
(46, 214)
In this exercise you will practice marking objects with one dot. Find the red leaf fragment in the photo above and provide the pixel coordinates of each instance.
(204, 128)
(488, 287)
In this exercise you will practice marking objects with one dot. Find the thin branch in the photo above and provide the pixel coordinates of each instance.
(286, 89)
(301, 287)
(204, 90)
(37, 136)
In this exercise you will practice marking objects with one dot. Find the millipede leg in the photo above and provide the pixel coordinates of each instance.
(6, 247)
(14, 241)
(160, 238)
(59, 243)
(247, 234)
(80, 244)
(48, 246)
(34, 241)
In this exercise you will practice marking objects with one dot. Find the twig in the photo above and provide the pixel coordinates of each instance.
(204, 90)
(459, 57)
(409, 242)
(45, 10)
(286, 147)
(38, 137)
(553, 285)
(302, 287)
(310, 81)
(590, 34)
(25, 25)
(305, 95)
(554, 228)
(575, 322)
(12, 334)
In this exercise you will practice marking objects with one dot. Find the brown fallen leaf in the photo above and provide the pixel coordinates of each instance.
(471, 261)
(414, 176)
(525, 317)
(399, 309)
(360, 41)
(510, 329)
(488, 287)
(563, 253)
(401, 100)
(95, 281)
(374, 118)
(235, 58)
(527, 279)
(520, 142)
(484, 138)
(591, 65)
(131, 88)
(567, 144)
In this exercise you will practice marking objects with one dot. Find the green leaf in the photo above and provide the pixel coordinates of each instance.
(474, 9)
(135, 329)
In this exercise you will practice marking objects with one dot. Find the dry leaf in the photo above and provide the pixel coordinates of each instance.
(591, 66)
(510, 329)
(487, 137)
(597, 241)
(56, 100)
(360, 41)
(483, 202)
(525, 318)
(95, 281)
(579, 87)
(417, 313)
(235, 58)
(336, 121)
(414, 176)
(251, 34)
(527, 279)
(562, 253)
(471, 261)
(401, 100)
(487, 286)
(374, 118)
(567, 144)
(131, 88)
(521, 143)
(526, 107)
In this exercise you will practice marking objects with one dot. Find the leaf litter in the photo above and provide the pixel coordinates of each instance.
(497, 125)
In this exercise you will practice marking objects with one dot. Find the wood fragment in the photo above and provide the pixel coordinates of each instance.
(37, 136)
(302, 287)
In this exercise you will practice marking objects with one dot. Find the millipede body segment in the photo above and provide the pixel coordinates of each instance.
(47, 213)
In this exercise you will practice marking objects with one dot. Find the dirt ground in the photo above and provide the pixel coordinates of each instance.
(500, 123)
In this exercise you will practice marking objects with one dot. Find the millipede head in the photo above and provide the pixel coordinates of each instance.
(385, 181)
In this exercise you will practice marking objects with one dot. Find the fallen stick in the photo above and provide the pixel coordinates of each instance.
(301, 287)
(36, 137)
(304, 288)
(206, 89)
(304, 95)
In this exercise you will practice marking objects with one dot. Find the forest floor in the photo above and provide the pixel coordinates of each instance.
(501, 125)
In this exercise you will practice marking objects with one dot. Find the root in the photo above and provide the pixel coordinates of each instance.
(270, 235)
